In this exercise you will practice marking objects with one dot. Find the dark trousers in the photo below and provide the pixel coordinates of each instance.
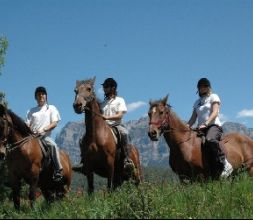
(214, 158)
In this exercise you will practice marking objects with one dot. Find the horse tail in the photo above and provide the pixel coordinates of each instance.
(67, 168)
(135, 156)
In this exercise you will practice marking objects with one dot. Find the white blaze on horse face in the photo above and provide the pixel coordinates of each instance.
(153, 110)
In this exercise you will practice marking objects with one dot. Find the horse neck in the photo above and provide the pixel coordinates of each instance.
(93, 121)
(18, 130)
(178, 132)
(16, 136)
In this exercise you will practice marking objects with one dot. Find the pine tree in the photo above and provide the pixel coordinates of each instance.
(3, 167)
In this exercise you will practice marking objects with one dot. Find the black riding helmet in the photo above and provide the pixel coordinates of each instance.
(204, 82)
(110, 82)
(40, 89)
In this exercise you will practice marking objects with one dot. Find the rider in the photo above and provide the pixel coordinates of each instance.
(206, 112)
(42, 119)
(113, 109)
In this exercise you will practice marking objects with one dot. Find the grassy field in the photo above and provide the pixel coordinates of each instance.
(161, 199)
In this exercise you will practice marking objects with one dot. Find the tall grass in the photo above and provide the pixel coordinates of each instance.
(220, 199)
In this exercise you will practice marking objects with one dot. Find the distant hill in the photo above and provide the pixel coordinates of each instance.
(152, 153)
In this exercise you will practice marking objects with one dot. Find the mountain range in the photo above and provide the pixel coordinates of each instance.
(151, 153)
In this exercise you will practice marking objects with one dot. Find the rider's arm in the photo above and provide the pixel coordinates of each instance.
(117, 116)
(49, 127)
(214, 112)
(193, 118)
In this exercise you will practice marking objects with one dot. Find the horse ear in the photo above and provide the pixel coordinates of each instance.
(151, 102)
(3, 110)
(78, 82)
(165, 100)
(93, 80)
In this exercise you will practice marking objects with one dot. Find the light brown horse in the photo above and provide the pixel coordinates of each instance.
(25, 160)
(185, 145)
(98, 147)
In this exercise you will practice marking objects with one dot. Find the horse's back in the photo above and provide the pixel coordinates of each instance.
(238, 149)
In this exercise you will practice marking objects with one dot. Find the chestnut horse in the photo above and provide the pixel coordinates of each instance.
(186, 158)
(25, 160)
(98, 147)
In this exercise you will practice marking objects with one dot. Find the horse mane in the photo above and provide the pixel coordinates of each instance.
(181, 124)
(19, 124)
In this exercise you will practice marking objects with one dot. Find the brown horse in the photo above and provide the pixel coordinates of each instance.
(25, 160)
(185, 145)
(98, 147)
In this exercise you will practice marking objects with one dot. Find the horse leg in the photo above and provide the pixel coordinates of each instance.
(61, 192)
(32, 190)
(111, 183)
(90, 179)
(33, 182)
(48, 195)
(16, 185)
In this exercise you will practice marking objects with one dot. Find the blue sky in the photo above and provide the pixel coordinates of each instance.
(151, 47)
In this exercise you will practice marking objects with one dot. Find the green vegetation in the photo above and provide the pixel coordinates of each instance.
(152, 199)
(3, 49)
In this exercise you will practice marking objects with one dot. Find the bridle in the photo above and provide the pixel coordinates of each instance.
(164, 125)
(7, 136)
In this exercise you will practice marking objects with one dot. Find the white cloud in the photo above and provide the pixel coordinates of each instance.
(245, 113)
(135, 105)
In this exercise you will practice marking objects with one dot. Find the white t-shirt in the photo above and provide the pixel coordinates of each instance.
(203, 109)
(40, 117)
(112, 107)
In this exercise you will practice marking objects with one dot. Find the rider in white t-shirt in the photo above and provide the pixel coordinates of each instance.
(113, 109)
(206, 112)
(42, 119)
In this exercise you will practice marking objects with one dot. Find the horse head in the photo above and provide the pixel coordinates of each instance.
(84, 91)
(158, 118)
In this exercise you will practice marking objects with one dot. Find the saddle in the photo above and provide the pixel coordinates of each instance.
(222, 141)
(46, 151)
(117, 136)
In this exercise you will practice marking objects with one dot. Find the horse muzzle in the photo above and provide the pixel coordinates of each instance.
(153, 135)
(78, 108)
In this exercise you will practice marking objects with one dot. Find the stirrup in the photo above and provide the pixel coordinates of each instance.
(57, 176)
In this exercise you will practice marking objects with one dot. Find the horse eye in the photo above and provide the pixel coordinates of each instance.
(161, 113)
(75, 91)
(89, 89)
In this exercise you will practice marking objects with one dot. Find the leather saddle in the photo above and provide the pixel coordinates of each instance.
(117, 136)
(46, 151)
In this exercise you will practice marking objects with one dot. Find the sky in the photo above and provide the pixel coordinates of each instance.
(150, 47)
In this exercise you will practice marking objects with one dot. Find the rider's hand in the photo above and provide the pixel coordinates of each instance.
(201, 127)
(41, 132)
(105, 117)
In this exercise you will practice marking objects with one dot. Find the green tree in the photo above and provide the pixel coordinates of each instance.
(3, 49)
(3, 167)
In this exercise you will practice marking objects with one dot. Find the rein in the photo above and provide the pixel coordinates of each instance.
(20, 143)
(164, 125)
